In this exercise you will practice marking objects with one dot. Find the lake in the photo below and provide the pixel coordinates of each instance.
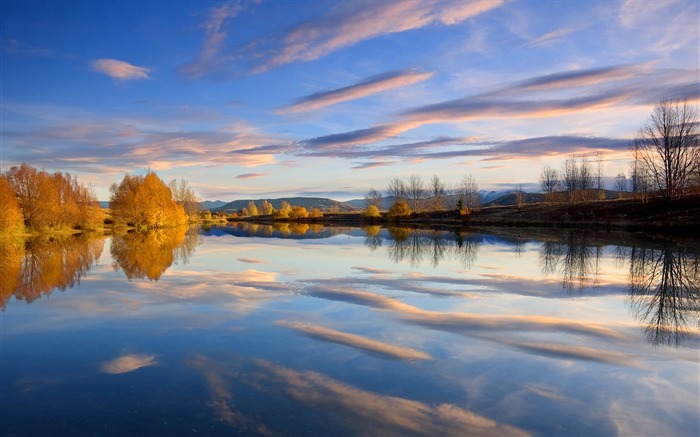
(299, 330)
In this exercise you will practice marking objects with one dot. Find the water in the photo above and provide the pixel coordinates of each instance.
(253, 330)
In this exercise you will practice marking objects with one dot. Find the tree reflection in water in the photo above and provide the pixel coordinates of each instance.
(664, 293)
(372, 238)
(149, 254)
(576, 259)
(30, 269)
(414, 246)
(663, 282)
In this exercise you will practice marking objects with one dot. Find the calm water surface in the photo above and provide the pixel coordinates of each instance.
(253, 330)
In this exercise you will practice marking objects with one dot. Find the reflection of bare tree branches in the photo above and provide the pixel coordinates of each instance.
(39, 266)
(664, 293)
(372, 238)
(577, 261)
(466, 249)
(149, 254)
(414, 245)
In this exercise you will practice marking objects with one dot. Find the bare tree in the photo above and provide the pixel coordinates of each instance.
(397, 189)
(620, 184)
(373, 198)
(520, 195)
(599, 185)
(569, 178)
(577, 178)
(438, 193)
(549, 181)
(468, 193)
(668, 147)
(416, 192)
(184, 195)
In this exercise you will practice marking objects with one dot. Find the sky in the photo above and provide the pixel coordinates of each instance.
(276, 98)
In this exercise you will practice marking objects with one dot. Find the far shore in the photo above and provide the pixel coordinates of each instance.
(678, 217)
(656, 214)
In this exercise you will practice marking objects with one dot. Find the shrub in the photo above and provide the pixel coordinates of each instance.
(400, 209)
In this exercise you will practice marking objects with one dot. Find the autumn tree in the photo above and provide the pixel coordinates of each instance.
(145, 202)
(371, 212)
(11, 221)
(667, 147)
(298, 212)
(37, 196)
(55, 200)
(283, 211)
(399, 209)
(252, 209)
(267, 208)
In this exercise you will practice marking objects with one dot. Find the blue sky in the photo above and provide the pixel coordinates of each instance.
(268, 99)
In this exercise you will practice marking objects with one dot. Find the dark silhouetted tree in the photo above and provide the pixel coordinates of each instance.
(667, 147)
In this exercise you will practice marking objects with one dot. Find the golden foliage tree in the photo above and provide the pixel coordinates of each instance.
(11, 221)
(372, 212)
(37, 195)
(57, 200)
(399, 209)
(145, 202)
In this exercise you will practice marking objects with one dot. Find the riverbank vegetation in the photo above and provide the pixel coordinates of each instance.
(34, 201)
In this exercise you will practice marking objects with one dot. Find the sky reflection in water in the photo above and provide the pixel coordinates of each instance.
(309, 330)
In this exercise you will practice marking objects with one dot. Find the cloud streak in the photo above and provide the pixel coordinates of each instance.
(351, 22)
(119, 69)
(371, 413)
(373, 85)
(128, 363)
(357, 341)
(209, 57)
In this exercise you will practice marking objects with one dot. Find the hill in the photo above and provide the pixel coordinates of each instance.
(211, 204)
(309, 203)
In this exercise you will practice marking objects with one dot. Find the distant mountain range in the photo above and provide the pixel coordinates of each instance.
(488, 198)
(309, 203)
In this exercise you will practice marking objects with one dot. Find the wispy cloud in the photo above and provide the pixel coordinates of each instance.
(16, 47)
(119, 69)
(662, 27)
(553, 95)
(250, 175)
(372, 413)
(552, 37)
(60, 137)
(357, 341)
(210, 57)
(346, 24)
(373, 85)
(368, 165)
(463, 322)
(354, 21)
(128, 363)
